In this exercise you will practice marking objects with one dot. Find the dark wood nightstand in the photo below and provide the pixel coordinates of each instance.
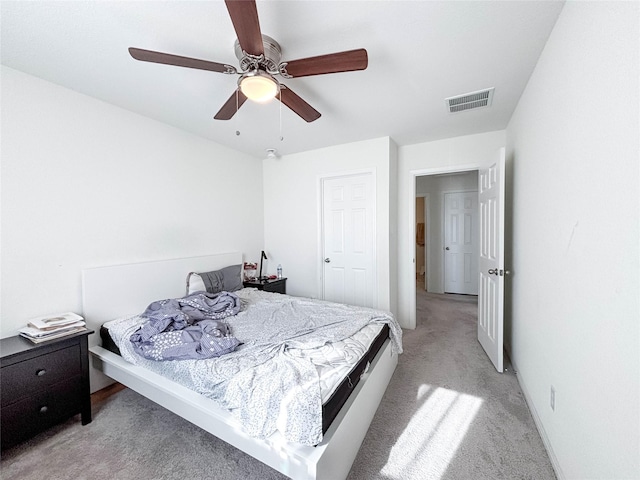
(277, 285)
(42, 384)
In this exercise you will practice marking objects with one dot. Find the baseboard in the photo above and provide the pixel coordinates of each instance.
(104, 393)
(539, 426)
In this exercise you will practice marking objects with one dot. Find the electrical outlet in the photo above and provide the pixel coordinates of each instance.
(552, 398)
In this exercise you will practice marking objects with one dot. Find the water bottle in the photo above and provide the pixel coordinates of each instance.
(279, 271)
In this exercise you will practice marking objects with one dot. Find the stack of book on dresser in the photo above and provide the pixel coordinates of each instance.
(45, 328)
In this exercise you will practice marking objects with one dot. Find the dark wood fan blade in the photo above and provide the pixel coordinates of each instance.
(178, 61)
(244, 16)
(332, 63)
(231, 106)
(298, 105)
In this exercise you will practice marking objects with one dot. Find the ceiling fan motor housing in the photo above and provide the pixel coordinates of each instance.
(271, 60)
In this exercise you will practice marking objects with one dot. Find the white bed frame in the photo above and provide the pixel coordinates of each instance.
(111, 292)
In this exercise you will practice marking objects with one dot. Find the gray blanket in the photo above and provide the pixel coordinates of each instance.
(191, 327)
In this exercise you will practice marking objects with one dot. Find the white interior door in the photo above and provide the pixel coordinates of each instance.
(348, 209)
(491, 284)
(461, 242)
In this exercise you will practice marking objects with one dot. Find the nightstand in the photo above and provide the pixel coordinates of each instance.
(42, 384)
(277, 285)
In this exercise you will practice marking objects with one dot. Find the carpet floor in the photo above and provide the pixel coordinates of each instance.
(447, 415)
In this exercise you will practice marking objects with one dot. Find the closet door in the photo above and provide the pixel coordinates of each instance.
(348, 240)
(461, 232)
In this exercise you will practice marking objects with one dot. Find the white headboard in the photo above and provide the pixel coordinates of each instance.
(116, 291)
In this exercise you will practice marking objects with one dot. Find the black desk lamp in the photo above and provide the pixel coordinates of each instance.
(262, 255)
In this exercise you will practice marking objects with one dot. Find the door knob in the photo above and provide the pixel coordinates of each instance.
(493, 271)
(327, 260)
(446, 248)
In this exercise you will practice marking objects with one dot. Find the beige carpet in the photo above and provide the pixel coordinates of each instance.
(447, 414)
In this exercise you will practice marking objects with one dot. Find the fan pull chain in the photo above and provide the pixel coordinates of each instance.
(237, 108)
(280, 98)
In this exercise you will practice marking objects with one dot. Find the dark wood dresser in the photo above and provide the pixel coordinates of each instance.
(42, 384)
(277, 285)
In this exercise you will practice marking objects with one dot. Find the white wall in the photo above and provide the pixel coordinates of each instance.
(435, 186)
(87, 184)
(453, 154)
(291, 213)
(574, 157)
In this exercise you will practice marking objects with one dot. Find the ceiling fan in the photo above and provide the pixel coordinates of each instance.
(260, 64)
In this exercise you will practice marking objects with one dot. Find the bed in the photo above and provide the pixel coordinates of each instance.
(118, 292)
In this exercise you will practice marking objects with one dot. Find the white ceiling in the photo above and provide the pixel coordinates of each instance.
(420, 52)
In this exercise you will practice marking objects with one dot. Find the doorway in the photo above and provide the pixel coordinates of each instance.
(491, 199)
(435, 189)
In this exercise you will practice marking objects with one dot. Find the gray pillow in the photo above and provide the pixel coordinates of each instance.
(227, 279)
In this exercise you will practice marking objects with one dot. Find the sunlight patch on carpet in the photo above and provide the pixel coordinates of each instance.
(443, 420)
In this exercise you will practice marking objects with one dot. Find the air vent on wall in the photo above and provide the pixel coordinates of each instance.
(468, 101)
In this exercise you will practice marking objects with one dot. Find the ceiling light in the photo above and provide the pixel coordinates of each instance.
(258, 86)
(272, 153)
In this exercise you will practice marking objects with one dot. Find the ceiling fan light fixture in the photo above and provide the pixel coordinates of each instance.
(258, 86)
(272, 153)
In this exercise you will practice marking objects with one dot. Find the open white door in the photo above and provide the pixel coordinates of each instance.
(491, 288)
